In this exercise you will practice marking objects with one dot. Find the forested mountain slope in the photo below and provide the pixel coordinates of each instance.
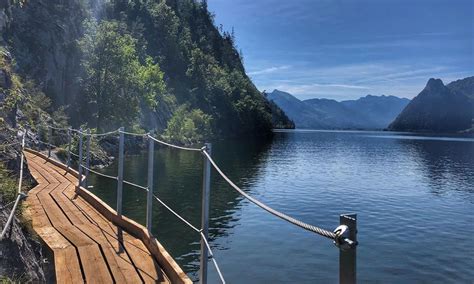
(439, 108)
(144, 64)
(377, 111)
(369, 112)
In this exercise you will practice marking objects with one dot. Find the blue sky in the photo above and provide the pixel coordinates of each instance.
(346, 49)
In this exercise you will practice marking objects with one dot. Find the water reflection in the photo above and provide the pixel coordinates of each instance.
(402, 187)
(442, 163)
(178, 182)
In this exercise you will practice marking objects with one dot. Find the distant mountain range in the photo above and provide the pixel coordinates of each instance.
(369, 112)
(439, 108)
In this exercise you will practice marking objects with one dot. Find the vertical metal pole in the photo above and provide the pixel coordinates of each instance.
(50, 140)
(120, 171)
(206, 192)
(22, 158)
(347, 255)
(79, 184)
(69, 148)
(149, 203)
(88, 156)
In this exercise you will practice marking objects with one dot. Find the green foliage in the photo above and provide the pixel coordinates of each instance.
(26, 96)
(97, 153)
(14, 279)
(201, 64)
(60, 118)
(36, 104)
(142, 60)
(8, 185)
(116, 81)
(188, 126)
(152, 85)
(279, 118)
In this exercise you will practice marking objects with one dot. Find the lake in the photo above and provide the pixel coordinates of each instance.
(413, 193)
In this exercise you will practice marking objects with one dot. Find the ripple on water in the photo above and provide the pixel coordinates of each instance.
(414, 196)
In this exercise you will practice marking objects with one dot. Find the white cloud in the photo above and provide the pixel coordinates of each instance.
(341, 86)
(355, 80)
(269, 70)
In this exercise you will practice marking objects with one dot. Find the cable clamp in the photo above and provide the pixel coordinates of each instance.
(342, 239)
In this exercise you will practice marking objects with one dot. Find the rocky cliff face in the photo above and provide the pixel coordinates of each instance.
(438, 108)
(43, 37)
(180, 35)
(5, 18)
(21, 256)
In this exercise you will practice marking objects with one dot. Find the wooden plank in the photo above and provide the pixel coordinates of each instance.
(137, 252)
(67, 266)
(82, 220)
(94, 266)
(68, 269)
(164, 259)
(120, 265)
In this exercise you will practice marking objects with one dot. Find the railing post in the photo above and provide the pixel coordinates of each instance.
(347, 254)
(50, 140)
(149, 200)
(120, 171)
(206, 192)
(79, 170)
(69, 138)
(22, 158)
(88, 157)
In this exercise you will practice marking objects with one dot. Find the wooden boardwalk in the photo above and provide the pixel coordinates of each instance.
(87, 247)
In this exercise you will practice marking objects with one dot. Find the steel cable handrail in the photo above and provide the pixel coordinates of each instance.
(311, 228)
(75, 155)
(82, 132)
(211, 254)
(176, 214)
(325, 233)
(99, 173)
(135, 185)
(48, 144)
(301, 224)
(60, 147)
(56, 146)
(133, 134)
(20, 194)
(173, 146)
(100, 134)
(10, 217)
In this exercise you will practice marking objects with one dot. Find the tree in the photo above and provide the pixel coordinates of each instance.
(188, 126)
(116, 82)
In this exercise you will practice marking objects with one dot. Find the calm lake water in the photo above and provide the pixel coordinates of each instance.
(414, 196)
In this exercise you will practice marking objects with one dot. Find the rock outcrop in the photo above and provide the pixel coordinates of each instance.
(439, 108)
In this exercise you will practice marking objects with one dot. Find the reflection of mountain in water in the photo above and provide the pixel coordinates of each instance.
(178, 182)
(443, 163)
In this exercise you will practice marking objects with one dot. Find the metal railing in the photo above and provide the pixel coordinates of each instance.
(20, 195)
(344, 236)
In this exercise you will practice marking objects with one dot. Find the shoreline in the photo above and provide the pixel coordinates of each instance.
(419, 133)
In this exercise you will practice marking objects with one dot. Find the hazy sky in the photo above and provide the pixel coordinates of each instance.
(347, 49)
